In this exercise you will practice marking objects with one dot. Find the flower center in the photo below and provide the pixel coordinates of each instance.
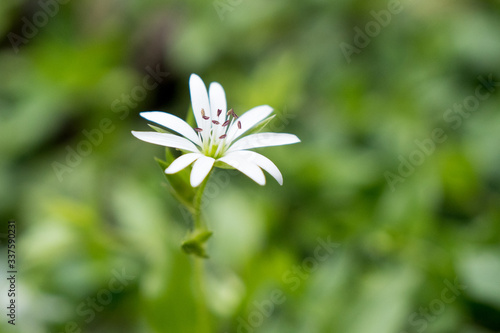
(215, 136)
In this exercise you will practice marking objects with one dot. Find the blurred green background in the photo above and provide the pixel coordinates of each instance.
(414, 213)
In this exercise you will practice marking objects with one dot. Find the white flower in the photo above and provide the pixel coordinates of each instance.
(217, 141)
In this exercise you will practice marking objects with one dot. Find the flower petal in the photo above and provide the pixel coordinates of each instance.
(217, 101)
(201, 168)
(264, 140)
(199, 100)
(166, 139)
(247, 167)
(182, 162)
(174, 123)
(262, 162)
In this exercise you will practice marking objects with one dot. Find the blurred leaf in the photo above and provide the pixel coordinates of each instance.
(480, 272)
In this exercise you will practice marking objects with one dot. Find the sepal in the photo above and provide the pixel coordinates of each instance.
(260, 126)
(158, 129)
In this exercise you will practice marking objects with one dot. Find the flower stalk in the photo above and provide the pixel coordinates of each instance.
(197, 238)
(200, 296)
(199, 223)
(200, 228)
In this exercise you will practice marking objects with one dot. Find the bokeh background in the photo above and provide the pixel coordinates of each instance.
(411, 215)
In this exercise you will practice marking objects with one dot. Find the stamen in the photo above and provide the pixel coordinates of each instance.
(231, 112)
(225, 123)
(215, 122)
(235, 115)
(219, 111)
(203, 114)
(197, 129)
(222, 136)
(239, 124)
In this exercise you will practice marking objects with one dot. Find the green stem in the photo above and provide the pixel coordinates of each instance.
(200, 225)
(203, 314)
(198, 221)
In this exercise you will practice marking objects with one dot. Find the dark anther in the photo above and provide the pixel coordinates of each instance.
(222, 136)
(239, 124)
(215, 122)
(197, 129)
(226, 123)
(203, 115)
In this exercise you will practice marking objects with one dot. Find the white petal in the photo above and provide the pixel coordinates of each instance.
(182, 162)
(264, 140)
(166, 139)
(199, 100)
(174, 123)
(262, 162)
(201, 169)
(247, 167)
(218, 101)
(248, 120)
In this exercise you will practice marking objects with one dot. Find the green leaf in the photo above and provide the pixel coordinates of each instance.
(180, 187)
(185, 173)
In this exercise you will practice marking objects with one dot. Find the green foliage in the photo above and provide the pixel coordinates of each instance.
(90, 201)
